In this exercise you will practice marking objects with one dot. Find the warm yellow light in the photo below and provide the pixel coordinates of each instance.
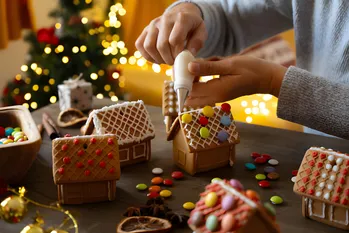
(35, 87)
(107, 87)
(94, 76)
(122, 79)
(116, 75)
(88, 1)
(248, 111)
(24, 68)
(248, 119)
(123, 51)
(169, 72)
(262, 105)
(118, 6)
(265, 111)
(112, 14)
(46, 72)
(141, 62)
(38, 71)
(122, 11)
(156, 68)
(60, 48)
(76, 2)
(101, 72)
(132, 60)
(121, 44)
(138, 54)
(27, 80)
(115, 37)
(27, 96)
(117, 24)
(244, 103)
(111, 94)
(84, 20)
(101, 29)
(123, 60)
(121, 84)
(114, 61)
(65, 59)
(53, 99)
(34, 105)
(99, 96)
(91, 32)
(206, 78)
(83, 48)
(255, 102)
(114, 98)
(75, 49)
(106, 52)
(26, 105)
(16, 91)
(47, 50)
(274, 105)
(34, 66)
(46, 88)
(87, 63)
(106, 44)
(113, 8)
(51, 81)
(255, 110)
(106, 23)
(58, 25)
(267, 97)
(18, 77)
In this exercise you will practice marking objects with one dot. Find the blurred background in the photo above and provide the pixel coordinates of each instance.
(43, 43)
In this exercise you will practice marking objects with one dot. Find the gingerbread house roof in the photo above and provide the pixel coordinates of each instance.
(242, 209)
(129, 121)
(80, 162)
(215, 127)
(323, 175)
(170, 101)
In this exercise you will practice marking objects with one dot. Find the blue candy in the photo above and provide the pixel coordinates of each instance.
(225, 120)
(269, 169)
(250, 166)
(8, 131)
(222, 136)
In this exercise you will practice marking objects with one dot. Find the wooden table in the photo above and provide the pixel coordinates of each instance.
(286, 146)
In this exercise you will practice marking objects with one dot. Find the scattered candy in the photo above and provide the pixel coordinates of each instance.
(2, 131)
(236, 184)
(154, 188)
(157, 171)
(294, 172)
(211, 199)
(276, 200)
(212, 223)
(11, 135)
(250, 166)
(293, 179)
(260, 177)
(177, 175)
(226, 107)
(222, 136)
(8, 141)
(255, 155)
(197, 219)
(273, 176)
(8, 131)
(157, 180)
(186, 118)
(269, 170)
(273, 162)
(215, 179)
(204, 132)
(266, 156)
(168, 182)
(203, 121)
(208, 111)
(141, 187)
(189, 205)
(228, 202)
(260, 160)
(264, 184)
(225, 120)
(252, 195)
(153, 195)
(165, 193)
(228, 222)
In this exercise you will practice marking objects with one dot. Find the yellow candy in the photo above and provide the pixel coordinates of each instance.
(189, 205)
(204, 132)
(208, 111)
(8, 141)
(18, 137)
(211, 199)
(25, 138)
(165, 193)
(186, 118)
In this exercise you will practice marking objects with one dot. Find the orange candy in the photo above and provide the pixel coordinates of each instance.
(154, 188)
(157, 180)
(252, 195)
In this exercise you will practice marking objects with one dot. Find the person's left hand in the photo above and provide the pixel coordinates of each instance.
(239, 76)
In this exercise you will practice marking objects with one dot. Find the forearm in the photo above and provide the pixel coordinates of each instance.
(314, 102)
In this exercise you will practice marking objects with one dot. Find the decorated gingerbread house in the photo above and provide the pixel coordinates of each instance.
(322, 181)
(85, 168)
(130, 122)
(226, 207)
(204, 139)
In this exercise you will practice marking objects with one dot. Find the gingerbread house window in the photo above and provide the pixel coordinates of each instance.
(139, 150)
(317, 208)
(339, 215)
(124, 155)
(181, 158)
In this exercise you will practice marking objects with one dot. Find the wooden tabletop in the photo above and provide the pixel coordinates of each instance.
(286, 146)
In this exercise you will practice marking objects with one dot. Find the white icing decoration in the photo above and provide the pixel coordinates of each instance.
(333, 177)
(330, 158)
(335, 168)
(293, 179)
(310, 208)
(330, 149)
(318, 193)
(84, 136)
(171, 110)
(339, 161)
(185, 109)
(328, 166)
(324, 175)
(335, 220)
(171, 84)
(170, 97)
(170, 103)
(327, 196)
(171, 90)
(177, 109)
(330, 186)
(330, 152)
(322, 184)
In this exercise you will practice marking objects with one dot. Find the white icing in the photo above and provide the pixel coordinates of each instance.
(339, 161)
(327, 196)
(330, 158)
(170, 103)
(346, 222)
(293, 179)
(171, 84)
(170, 110)
(335, 168)
(329, 151)
(329, 186)
(318, 193)
(328, 166)
(170, 97)
(333, 177)
(310, 208)
(171, 90)
(84, 136)
(236, 193)
(324, 175)
(322, 185)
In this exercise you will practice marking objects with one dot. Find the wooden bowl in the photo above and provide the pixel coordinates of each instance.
(16, 158)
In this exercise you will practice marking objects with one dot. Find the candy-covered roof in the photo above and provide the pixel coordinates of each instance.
(323, 175)
(206, 128)
(222, 199)
(129, 121)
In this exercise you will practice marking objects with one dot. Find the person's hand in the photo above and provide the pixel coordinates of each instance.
(239, 76)
(166, 36)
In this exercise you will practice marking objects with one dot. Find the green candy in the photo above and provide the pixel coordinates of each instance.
(260, 177)
(276, 200)
(204, 132)
(270, 209)
(16, 133)
(141, 187)
(211, 223)
(18, 137)
(215, 179)
(17, 129)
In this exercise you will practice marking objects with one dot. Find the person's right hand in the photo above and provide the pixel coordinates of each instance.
(166, 36)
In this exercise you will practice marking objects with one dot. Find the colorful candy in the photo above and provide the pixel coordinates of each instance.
(153, 195)
(11, 135)
(8, 131)
(2, 131)
(211, 199)
(273, 176)
(189, 205)
(236, 184)
(155, 188)
(269, 170)
(264, 184)
(186, 118)
(157, 180)
(226, 107)
(250, 166)
(204, 132)
(208, 111)
(215, 179)
(276, 200)
(260, 177)
(197, 219)
(228, 202)
(228, 222)
(273, 162)
(177, 175)
(168, 182)
(212, 223)
(157, 171)
(222, 136)
(225, 120)
(165, 193)
(141, 187)
(203, 121)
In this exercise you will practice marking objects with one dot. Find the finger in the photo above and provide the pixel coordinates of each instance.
(163, 44)
(205, 68)
(215, 58)
(203, 93)
(197, 39)
(150, 44)
(139, 45)
(199, 101)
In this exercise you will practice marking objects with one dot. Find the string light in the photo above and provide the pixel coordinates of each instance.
(35, 87)
(156, 68)
(16, 91)
(121, 84)
(123, 60)
(58, 25)
(111, 93)
(114, 61)
(83, 48)
(249, 119)
(141, 62)
(33, 66)
(100, 96)
(24, 68)
(132, 60)
(94, 76)
(65, 59)
(117, 24)
(115, 37)
(262, 105)
(265, 111)
(26, 105)
(27, 80)
(38, 71)
(51, 81)
(116, 75)
(75, 49)
(121, 44)
(84, 20)
(122, 11)
(18, 77)
(101, 29)
(46, 72)
(87, 63)
(255, 110)
(47, 50)
(27, 96)
(53, 99)
(46, 88)
(267, 97)
(106, 23)
(107, 87)
(138, 54)
(34, 105)
(88, 1)
(123, 51)
(101, 72)
(91, 32)
(60, 48)
(114, 98)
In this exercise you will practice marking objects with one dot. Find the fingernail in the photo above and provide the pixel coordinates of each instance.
(194, 67)
(193, 51)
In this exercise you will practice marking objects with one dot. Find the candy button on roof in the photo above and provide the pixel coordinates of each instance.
(211, 199)
(250, 166)
(187, 118)
(215, 179)
(189, 205)
(157, 171)
(204, 132)
(222, 136)
(276, 200)
(273, 162)
(203, 121)
(260, 177)
(225, 120)
(208, 111)
(197, 219)
(212, 223)
(236, 184)
(226, 107)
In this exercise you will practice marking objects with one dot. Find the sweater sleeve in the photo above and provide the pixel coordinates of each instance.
(234, 25)
(315, 102)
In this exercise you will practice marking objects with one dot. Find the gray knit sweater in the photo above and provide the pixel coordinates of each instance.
(316, 92)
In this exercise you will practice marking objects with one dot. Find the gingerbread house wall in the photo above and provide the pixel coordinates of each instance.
(329, 214)
(202, 160)
(135, 152)
(88, 192)
(257, 223)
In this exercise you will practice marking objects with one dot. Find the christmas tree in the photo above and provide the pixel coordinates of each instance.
(74, 45)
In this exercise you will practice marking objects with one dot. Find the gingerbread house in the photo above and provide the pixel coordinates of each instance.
(225, 207)
(85, 168)
(203, 140)
(130, 122)
(323, 183)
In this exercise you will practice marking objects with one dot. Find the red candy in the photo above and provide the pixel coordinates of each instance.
(314, 154)
(335, 199)
(66, 160)
(177, 175)
(111, 170)
(311, 191)
(76, 141)
(67, 135)
(345, 201)
(305, 179)
(260, 160)
(98, 152)
(311, 162)
(320, 164)
(316, 173)
(323, 156)
(81, 152)
(347, 192)
(294, 172)
(110, 141)
(2, 131)
(87, 172)
(203, 120)
(255, 155)
(60, 170)
(152, 195)
(79, 164)
(347, 163)
(264, 184)
(90, 162)
(11, 137)
(302, 189)
(226, 107)
(339, 189)
(345, 171)
(168, 182)
(64, 147)
(93, 140)
(313, 182)
(110, 155)
(342, 180)
(308, 171)
(266, 156)
(102, 164)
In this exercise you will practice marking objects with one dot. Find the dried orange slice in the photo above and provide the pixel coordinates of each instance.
(144, 224)
(70, 117)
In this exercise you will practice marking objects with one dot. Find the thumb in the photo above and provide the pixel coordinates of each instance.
(205, 68)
